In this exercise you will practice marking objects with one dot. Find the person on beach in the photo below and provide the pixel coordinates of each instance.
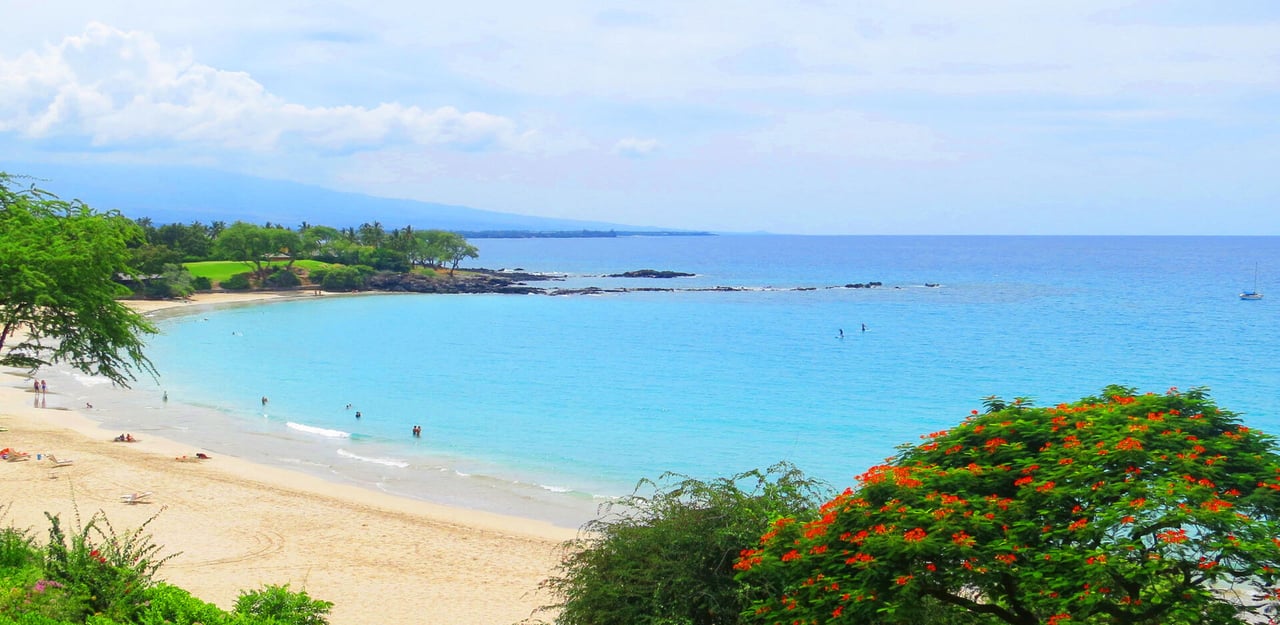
(357, 414)
(44, 388)
(36, 386)
(264, 400)
(417, 431)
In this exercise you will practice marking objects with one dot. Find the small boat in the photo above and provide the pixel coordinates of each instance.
(1254, 294)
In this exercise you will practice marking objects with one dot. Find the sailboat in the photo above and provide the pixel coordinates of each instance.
(1254, 294)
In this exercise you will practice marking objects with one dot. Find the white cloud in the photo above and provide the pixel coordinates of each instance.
(121, 89)
(851, 135)
(635, 148)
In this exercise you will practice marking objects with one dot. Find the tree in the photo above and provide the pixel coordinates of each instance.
(247, 243)
(442, 246)
(1125, 508)
(666, 556)
(58, 264)
(255, 245)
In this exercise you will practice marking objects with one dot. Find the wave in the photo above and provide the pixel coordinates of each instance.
(89, 380)
(311, 429)
(390, 462)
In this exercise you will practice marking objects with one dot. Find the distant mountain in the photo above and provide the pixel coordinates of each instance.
(186, 194)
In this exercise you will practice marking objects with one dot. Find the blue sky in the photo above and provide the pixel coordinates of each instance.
(869, 117)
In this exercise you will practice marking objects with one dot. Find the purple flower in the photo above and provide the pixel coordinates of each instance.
(45, 583)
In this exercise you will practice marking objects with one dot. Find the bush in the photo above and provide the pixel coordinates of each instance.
(316, 276)
(667, 556)
(283, 606)
(110, 571)
(17, 548)
(170, 604)
(283, 279)
(238, 282)
(342, 278)
(201, 283)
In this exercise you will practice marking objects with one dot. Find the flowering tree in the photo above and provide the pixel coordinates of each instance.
(1154, 509)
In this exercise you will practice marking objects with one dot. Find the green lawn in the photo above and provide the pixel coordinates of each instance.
(219, 270)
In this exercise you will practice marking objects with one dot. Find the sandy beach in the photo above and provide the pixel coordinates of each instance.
(238, 525)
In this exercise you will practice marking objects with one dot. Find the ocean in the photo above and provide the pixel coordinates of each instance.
(546, 407)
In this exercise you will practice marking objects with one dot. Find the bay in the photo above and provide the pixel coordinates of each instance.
(545, 406)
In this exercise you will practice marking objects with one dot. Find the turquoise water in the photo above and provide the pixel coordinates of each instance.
(543, 406)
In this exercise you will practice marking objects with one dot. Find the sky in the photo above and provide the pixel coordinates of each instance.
(806, 117)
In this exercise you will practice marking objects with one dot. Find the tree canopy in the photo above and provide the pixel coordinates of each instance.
(1123, 508)
(58, 264)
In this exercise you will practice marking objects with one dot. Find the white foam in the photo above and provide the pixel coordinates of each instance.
(390, 462)
(311, 429)
(90, 380)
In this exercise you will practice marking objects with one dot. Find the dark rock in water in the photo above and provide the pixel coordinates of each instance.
(650, 273)
(471, 283)
(860, 285)
(931, 284)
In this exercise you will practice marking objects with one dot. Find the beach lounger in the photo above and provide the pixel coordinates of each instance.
(59, 463)
(15, 456)
(135, 498)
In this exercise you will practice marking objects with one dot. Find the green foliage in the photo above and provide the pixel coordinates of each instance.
(201, 283)
(58, 264)
(170, 605)
(237, 282)
(25, 593)
(1124, 508)
(110, 571)
(256, 245)
(316, 276)
(98, 577)
(283, 606)
(665, 553)
(342, 278)
(283, 279)
(17, 546)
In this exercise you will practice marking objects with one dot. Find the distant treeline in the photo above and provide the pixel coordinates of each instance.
(576, 234)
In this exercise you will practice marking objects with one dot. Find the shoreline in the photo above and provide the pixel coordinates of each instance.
(240, 525)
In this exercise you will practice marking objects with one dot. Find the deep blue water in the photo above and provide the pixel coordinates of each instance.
(539, 405)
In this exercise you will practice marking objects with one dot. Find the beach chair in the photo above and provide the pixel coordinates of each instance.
(59, 463)
(18, 456)
(135, 498)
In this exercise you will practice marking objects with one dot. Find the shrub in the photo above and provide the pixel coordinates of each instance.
(17, 548)
(27, 595)
(1124, 508)
(170, 604)
(283, 606)
(238, 282)
(316, 275)
(201, 283)
(342, 278)
(283, 279)
(110, 571)
(665, 555)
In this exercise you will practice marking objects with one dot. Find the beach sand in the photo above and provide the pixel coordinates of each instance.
(239, 526)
